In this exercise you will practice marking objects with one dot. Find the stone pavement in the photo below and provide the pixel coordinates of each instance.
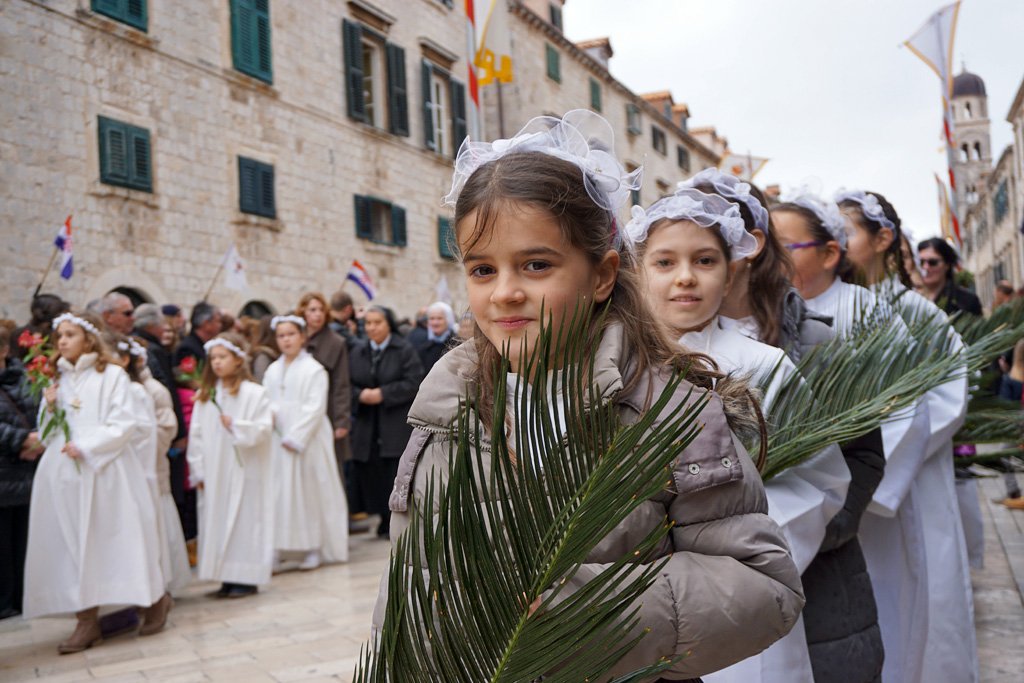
(310, 626)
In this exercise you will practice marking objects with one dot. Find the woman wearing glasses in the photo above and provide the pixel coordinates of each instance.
(938, 273)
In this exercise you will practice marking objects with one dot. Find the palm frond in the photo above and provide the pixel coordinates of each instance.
(518, 516)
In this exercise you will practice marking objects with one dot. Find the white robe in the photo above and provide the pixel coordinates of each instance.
(801, 500)
(173, 555)
(92, 529)
(236, 504)
(891, 532)
(311, 512)
(951, 654)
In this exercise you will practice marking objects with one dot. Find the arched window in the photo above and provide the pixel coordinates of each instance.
(965, 153)
(967, 108)
(256, 309)
(977, 150)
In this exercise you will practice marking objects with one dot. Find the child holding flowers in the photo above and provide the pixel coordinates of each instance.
(229, 462)
(90, 520)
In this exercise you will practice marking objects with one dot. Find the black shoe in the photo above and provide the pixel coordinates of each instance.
(239, 590)
(221, 592)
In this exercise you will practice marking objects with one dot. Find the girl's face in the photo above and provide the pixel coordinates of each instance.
(316, 316)
(933, 268)
(866, 250)
(687, 274)
(437, 322)
(377, 328)
(71, 341)
(290, 339)
(814, 265)
(521, 265)
(224, 363)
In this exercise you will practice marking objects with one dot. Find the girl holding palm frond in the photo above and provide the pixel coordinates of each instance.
(690, 245)
(950, 652)
(537, 235)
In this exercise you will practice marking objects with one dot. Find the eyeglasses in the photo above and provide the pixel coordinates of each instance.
(129, 313)
(803, 245)
(931, 262)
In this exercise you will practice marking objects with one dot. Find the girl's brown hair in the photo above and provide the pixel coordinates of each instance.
(771, 271)
(113, 340)
(209, 380)
(819, 232)
(300, 310)
(892, 259)
(556, 186)
(93, 343)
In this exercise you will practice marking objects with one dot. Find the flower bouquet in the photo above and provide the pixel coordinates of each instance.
(40, 372)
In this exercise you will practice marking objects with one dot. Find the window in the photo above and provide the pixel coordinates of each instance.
(967, 109)
(250, 38)
(663, 186)
(444, 109)
(633, 119)
(131, 12)
(595, 95)
(552, 58)
(375, 83)
(634, 195)
(683, 158)
(556, 16)
(658, 140)
(977, 151)
(125, 155)
(256, 188)
(1000, 202)
(445, 238)
(965, 153)
(380, 221)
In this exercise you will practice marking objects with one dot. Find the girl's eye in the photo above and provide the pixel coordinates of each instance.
(537, 266)
(481, 271)
(663, 263)
(707, 261)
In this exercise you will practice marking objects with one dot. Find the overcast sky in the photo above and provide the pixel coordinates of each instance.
(819, 86)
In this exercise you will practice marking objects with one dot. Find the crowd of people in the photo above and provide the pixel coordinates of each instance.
(249, 446)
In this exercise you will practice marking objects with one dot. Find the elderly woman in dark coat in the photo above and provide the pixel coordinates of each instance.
(19, 451)
(385, 373)
(440, 336)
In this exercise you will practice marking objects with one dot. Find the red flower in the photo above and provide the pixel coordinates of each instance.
(40, 365)
(28, 339)
(188, 365)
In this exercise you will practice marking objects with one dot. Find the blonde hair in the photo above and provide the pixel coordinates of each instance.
(209, 380)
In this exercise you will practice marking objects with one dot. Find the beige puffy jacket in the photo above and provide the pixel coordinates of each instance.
(730, 588)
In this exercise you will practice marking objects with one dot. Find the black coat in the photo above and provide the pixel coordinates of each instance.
(840, 617)
(398, 376)
(17, 419)
(431, 351)
(160, 363)
(190, 346)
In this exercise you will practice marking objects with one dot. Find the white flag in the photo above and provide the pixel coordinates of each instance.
(933, 43)
(234, 270)
(441, 292)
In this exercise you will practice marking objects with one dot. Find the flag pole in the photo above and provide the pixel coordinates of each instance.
(209, 290)
(49, 267)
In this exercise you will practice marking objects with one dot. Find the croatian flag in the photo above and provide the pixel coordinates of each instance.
(358, 275)
(63, 242)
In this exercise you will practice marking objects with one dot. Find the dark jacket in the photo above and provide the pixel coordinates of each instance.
(190, 346)
(953, 299)
(840, 617)
(161, 365)
(331, 351)
(802, 329)
(431, 351)
(17, 420)
(398, 375)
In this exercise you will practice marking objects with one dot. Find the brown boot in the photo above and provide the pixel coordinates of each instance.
(192, 548)
(155, 616)
(86, 634)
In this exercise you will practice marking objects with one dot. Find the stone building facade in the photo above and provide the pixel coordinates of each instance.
(308, 134)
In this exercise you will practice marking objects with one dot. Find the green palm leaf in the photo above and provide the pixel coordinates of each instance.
(518, 515)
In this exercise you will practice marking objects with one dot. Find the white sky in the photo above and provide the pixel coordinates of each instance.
(819, 86)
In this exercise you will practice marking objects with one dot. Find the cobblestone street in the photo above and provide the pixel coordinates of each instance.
(310, 626)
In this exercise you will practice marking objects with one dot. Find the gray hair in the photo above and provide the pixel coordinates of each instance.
(110, 302)
(147, 315)
(449, 314)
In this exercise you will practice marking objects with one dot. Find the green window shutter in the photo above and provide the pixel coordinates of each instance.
(398, 233)
(554, 67)
(445, 239)
(398, 95)
(458, 97)
(140, 175)
(683, 155)
(267, 203)
(256, 188)
(635, 197)
(131, 12)
(352, 37)
(364, 226)
(633, 119)
(250, 38)
(125, 155)
(428, 115)
(556, 16)
(595, 95)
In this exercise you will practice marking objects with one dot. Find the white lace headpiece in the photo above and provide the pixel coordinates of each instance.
(869, 206)
(278, 319)
(580, 136)
(706, 210)
(827, 211)
(731, 187)
(132, 348)
(75, 320)
(219, 341)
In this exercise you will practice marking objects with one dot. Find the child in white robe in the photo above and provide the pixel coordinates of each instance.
(92, 521)
(229, 461)
(311, 513)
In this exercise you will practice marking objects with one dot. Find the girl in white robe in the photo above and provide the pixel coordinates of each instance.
(91, 522)
(311, 514)
(691, 242)
(950, 654)
(229, 461)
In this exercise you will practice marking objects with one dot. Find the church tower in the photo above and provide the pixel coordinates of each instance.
(973, 158)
